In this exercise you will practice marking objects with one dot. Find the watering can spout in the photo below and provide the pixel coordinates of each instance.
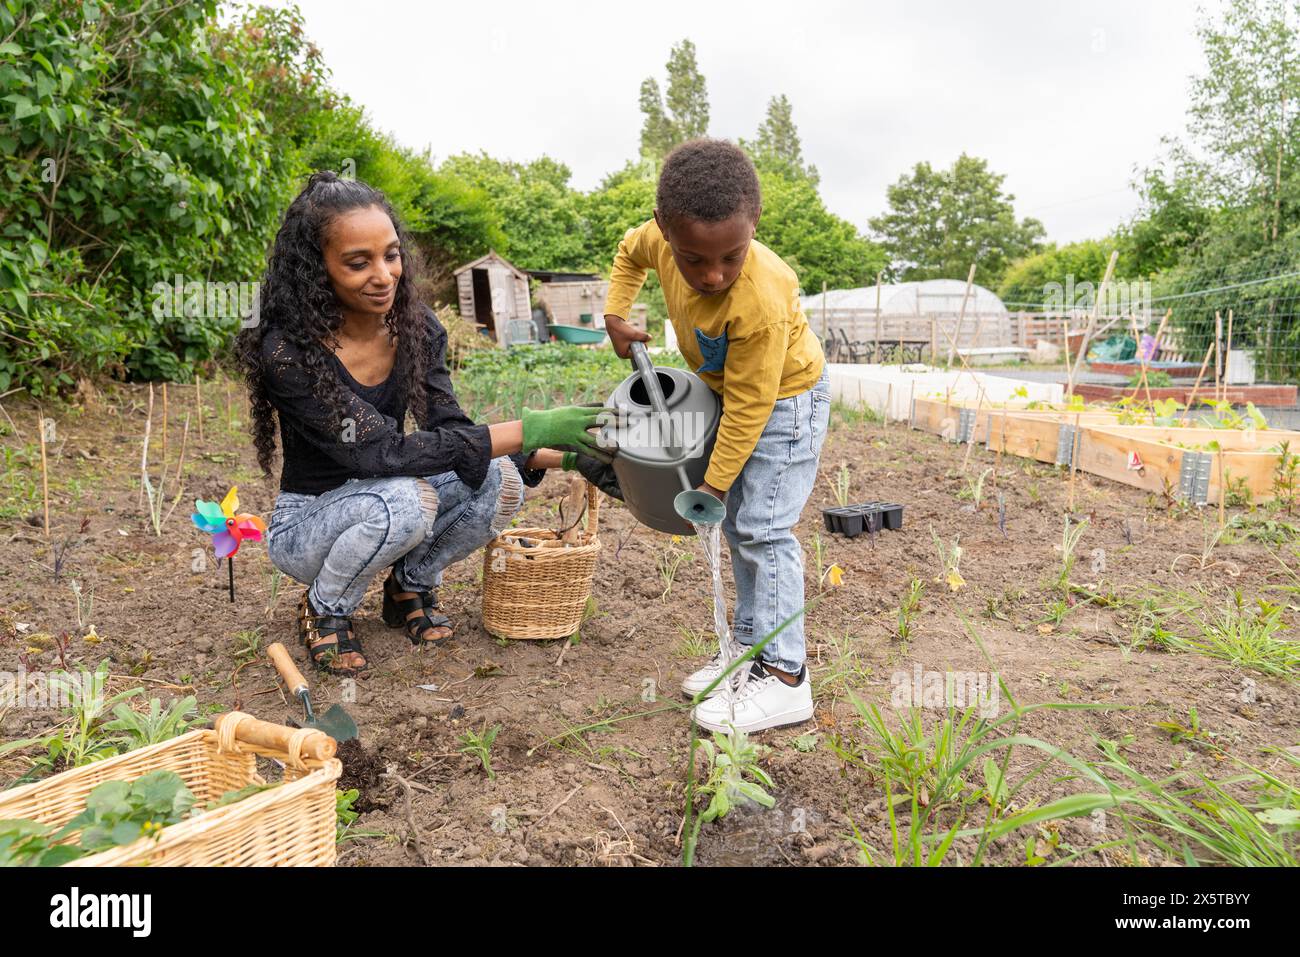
(699, 508)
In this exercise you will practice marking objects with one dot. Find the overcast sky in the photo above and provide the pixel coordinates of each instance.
(1066, 99)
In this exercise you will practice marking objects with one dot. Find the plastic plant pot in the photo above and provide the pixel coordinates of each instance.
(893, 516)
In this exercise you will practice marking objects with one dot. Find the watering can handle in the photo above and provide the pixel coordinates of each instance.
(641, 359)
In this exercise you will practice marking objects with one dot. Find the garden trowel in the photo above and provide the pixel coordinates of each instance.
(335, 722)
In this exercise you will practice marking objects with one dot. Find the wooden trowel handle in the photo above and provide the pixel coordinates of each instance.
(288, 670)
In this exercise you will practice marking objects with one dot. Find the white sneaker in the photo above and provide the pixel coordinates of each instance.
(697, 682)
(764, 701)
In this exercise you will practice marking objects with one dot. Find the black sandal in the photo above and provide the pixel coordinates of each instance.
(396, 611)
(327, 638)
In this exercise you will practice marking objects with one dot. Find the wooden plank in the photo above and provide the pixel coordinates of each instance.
(1107, 454)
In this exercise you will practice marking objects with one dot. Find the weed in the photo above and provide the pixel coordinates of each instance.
(1210, 535)
(694, 644)
(670, 561)
(480, 746)
(248, 645)
(845, 672)
(909, 609)
(1190, 733)
(1286, 479)
(1246, 637)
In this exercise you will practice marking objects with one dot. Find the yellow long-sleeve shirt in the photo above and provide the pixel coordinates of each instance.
(750, 344)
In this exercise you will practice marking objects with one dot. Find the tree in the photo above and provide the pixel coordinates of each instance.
(624, 200)
(818, 245)
(777, 148)
(1244, 111)
(1027, 282)
(941, 221)
(1173, 219)
(686, 116)
(540, 213)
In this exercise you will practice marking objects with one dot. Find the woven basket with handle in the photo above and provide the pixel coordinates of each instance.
(535, 583)
(290, 825)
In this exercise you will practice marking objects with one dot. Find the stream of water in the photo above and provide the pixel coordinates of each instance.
(710, 536)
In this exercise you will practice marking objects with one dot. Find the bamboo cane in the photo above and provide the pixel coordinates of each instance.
(956, 339)
(163, 472)
(1191, 399)
(45, 474)
(1074, 460)
(1092, 324)
(144, 452)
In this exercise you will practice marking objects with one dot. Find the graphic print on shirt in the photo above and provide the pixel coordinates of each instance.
(713, 350)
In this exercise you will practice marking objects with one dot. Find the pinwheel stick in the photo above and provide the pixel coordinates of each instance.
(230, 568)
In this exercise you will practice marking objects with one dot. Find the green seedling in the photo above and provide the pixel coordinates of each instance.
(909, 609)
(1069, 542)
(974, 490)
(949, 562)
(135, 730)
(479, 745)
(733, 778)
(840, 485)
(670, 561)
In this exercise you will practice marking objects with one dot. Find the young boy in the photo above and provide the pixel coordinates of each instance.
(734, 305)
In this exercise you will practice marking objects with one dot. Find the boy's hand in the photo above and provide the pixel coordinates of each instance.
(622, 334)
(715, 492)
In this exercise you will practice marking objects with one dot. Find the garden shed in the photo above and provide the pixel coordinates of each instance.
(572, 299)
(492, 294)
(921, 315)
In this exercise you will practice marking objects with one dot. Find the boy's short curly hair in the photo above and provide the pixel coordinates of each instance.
(708, 180)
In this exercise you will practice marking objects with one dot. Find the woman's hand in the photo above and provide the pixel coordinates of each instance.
(622, 334)
(564, 426)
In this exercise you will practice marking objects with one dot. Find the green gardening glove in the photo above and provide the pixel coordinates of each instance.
(566, 425)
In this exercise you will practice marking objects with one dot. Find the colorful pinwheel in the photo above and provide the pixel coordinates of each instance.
(228, 528)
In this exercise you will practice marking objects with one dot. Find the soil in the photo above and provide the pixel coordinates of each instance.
(614, 795)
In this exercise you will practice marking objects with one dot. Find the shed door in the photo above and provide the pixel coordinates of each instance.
(503, 295)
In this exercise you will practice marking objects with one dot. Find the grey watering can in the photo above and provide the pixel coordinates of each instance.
(667, 423)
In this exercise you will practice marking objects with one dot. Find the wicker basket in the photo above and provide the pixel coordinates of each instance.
(292, 825)
(536, 586)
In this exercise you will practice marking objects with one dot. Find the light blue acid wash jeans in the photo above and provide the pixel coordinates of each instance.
(337, 542)
(763, 505)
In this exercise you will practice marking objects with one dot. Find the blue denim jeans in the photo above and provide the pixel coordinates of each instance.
(337, 542)
(763, 505)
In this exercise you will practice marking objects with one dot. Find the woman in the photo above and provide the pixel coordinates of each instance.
(341, 350)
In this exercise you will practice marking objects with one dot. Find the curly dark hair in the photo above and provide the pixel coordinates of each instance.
(708, 180)
(298, 298)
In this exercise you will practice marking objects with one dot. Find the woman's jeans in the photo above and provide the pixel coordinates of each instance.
(763, 505)
(337, 542)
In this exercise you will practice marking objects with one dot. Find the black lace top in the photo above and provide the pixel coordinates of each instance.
(320, 454)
